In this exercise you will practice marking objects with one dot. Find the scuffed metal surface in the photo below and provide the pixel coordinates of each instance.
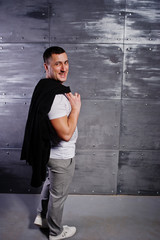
(14, 175)
(24, 21)
(140, 125)
(95, 70)
(13, 115)
(96, 172)
(93, 22)
(142, 21)
(21, 68)
(99, 125)
(139, 172)
(142, 72)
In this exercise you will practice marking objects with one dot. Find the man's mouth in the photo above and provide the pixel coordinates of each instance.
(63, 75)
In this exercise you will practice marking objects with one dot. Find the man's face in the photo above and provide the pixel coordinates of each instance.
(57, 67)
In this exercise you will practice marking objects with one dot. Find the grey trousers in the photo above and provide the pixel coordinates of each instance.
(55, 191)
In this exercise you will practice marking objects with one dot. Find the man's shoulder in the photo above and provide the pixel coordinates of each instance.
(60, 98)
(61, 101)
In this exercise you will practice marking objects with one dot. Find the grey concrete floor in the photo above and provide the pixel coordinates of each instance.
(96, 217)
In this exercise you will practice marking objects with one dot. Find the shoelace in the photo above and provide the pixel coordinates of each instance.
(64, 234)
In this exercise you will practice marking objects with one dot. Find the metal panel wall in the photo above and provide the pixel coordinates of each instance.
(90, 21)
(139, 172)
(21, 65)
(113, 49)
(92, 66)
(24, 21)
(139, 160)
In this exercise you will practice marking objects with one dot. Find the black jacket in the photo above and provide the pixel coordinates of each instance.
(39, 132)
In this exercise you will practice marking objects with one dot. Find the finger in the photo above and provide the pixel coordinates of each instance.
(76, 94)
(68, 94)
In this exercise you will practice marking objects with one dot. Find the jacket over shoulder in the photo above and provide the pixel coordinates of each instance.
(39, 132)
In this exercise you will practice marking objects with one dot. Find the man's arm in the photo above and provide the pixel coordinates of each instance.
(65, 126)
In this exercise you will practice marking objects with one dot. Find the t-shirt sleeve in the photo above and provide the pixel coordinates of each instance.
(58, 108)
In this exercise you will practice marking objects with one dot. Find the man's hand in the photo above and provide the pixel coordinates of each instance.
(75, 101)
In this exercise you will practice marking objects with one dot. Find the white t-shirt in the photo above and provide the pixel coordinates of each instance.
(60, 108)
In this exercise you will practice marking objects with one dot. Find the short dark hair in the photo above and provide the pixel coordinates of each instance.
(52, 50)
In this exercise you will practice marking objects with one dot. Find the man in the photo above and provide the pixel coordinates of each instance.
(63, 113)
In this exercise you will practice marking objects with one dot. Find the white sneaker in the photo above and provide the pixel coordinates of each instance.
(67, 232)
(41, 222)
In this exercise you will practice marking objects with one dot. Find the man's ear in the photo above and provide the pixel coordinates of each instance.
(46, 67)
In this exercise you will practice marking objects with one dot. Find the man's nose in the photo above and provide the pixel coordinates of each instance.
(63, 67)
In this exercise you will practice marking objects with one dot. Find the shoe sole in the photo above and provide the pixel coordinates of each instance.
(39, 225)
